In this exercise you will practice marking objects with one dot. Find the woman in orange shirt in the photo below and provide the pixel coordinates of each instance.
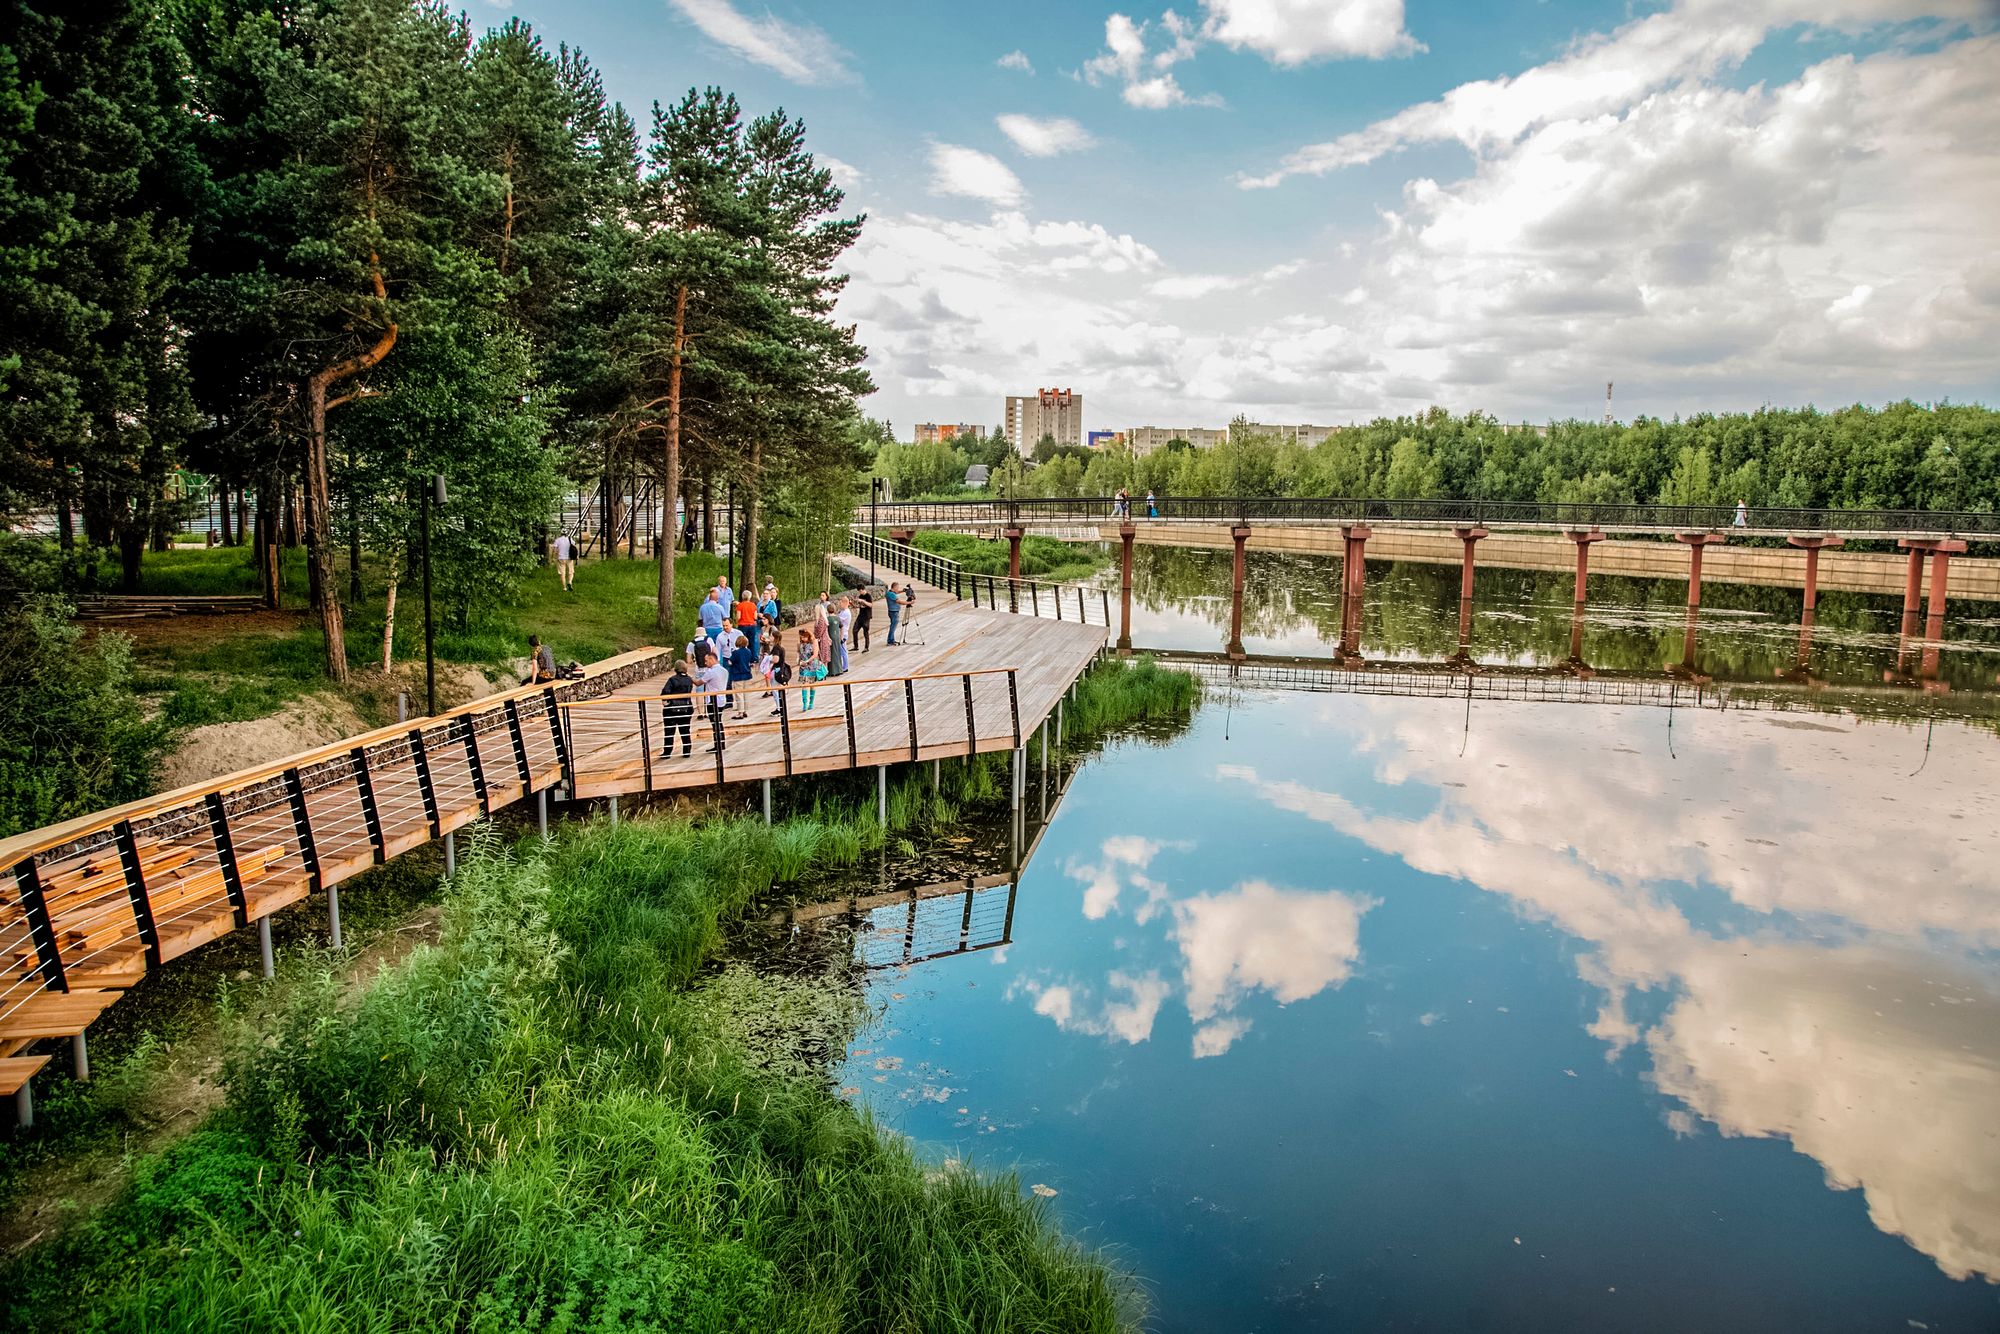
(746, 621)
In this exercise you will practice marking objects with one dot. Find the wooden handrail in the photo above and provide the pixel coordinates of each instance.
(33, 841)
(755, 685)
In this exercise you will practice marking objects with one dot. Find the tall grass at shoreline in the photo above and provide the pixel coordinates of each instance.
(549, 1121)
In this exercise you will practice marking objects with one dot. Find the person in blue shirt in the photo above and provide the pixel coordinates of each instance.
(741, 665)
(711, 616)
(895, 600)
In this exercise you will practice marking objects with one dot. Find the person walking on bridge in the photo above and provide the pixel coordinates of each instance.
(862, 616)
(1152, 504)
(1742, 514)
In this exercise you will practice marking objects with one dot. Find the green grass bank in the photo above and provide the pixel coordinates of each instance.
(562, 1117)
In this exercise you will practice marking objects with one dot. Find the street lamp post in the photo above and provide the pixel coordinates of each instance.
(433, 495)
(874, 498)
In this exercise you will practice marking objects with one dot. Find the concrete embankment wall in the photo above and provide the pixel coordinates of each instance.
(1973, 578)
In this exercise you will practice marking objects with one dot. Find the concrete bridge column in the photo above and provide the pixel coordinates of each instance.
(1354, 583)
(1912, 584)
(1239, 536)
(1812, 544)
(1941, 555)
(1013, 536)
(1583, 540)
(1695, 542)
(1470, 537)
(1126, 534)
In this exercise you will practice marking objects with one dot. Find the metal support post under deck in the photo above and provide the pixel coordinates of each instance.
(24, 1107)
(333, 914)
(882, 795)
(79, 1053)
(614, 810)
(542, 812)
(1020, 763)
(767, 803)
(264, 945)
(451, 854)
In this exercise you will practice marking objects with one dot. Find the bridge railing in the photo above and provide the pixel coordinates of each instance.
(635, 743)
(1982, 524)
(1033, 597)
(1027, 597)
(908, 560)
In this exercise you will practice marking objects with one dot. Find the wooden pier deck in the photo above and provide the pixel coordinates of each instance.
(88, 907)
(978, 680)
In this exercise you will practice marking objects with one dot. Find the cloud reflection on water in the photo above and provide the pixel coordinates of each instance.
(1850, 1015)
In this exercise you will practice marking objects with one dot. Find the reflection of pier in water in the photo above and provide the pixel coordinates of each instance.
(897, 927)
(1567, 684)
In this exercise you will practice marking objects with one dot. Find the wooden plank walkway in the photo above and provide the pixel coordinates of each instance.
(979, 681)
(89, 906)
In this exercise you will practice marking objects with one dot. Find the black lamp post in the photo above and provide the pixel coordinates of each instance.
(433, 495)
(874, 498)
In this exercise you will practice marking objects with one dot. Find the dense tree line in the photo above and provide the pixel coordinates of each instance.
(1902, 456)
(323, 249)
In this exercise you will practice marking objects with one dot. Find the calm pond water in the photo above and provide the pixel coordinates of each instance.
(1292, 606)
(1333, 1011)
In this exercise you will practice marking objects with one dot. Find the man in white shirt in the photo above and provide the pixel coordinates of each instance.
(563, 550)
(714, 679)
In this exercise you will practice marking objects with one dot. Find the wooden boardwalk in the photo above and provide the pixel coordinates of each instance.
(88, 907)
(978, 680)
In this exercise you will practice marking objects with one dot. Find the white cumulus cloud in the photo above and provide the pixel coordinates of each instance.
(1292, 32)
(1045, 137)
(957, 170)
(798, 51)
(1016, 60)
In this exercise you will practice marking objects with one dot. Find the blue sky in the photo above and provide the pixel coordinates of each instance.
(1324, 210)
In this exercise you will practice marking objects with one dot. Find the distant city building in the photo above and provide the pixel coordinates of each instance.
(1046, 412)
(933, 433)
(1298, 435)
(1146, 439)
(1099, 439)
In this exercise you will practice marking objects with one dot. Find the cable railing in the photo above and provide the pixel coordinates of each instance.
(1028, 597)
(1559, 516)
(87, 907)
(909, 561)
(648, 743)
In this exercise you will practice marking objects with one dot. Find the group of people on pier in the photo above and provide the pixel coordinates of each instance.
(740, 640)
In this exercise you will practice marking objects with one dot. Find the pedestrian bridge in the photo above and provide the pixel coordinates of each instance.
(996, 516)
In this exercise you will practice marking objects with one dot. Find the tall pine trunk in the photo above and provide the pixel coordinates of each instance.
(754, 486)
(389, 618)
(319, 530)
(671, 478)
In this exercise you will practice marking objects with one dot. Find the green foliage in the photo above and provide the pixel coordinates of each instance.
(1041, 557)
(1117, 692)
(73, 737)
(1902, 456)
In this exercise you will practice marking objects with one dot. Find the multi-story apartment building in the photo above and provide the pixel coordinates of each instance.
(1299, 434)
(932, 433)
(1046, 412)
(1145, 439)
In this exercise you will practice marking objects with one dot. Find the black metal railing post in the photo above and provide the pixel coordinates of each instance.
(225, 853)
(302, 830)
(910, 706)
(646, 745)
(785, 728)
(371, 814)
(520, 748)
(41, 928)
(135, 891)
(473, 761)
(420, 756)
(971, 729)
